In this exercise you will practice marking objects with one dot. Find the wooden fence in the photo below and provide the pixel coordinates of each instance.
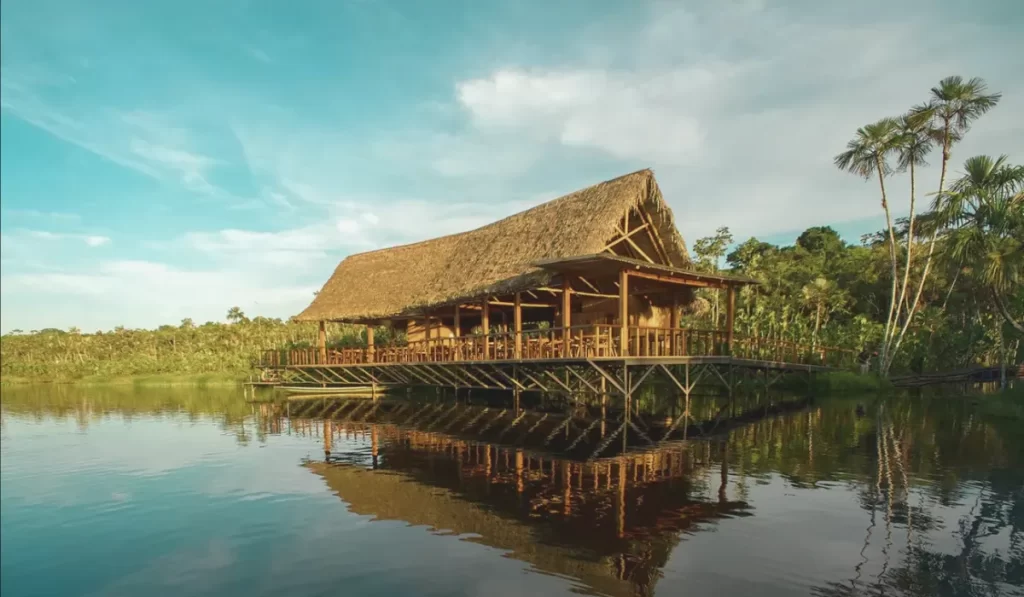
(576, 342)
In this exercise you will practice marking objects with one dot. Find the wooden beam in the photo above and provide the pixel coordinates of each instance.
(652, 231)
(621, 238)
(369, 343)
(578, 292)
(321, 342)
(623, 312)
(675, 280)
(566, 314)
(458, 322)
(521, 304)
(636, 247)
(517, 325)
(730, 317)
(591, 286)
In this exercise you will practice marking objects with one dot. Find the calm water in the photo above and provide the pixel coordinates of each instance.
(188, 492)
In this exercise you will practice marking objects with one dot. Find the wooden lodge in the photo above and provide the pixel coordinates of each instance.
(602, 273)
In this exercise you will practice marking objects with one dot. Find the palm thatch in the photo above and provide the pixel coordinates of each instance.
(495, 259)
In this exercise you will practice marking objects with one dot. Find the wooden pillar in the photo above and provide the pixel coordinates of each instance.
(369, 343)
(321, 343)
(730, 317)
(566, 314)
(374, 449)
(623, 313)
(457, 324)
(674, 324)
(517, 325)
(328, 436)
(485, 323)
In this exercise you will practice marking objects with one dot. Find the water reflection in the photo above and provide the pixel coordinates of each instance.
(941, 491)
(911, 496)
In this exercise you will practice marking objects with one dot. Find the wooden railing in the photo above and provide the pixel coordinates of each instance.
(575, 342)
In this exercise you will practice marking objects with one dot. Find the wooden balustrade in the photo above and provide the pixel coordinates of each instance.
(584, 341)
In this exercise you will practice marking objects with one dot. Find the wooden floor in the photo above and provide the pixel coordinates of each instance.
(604, 375)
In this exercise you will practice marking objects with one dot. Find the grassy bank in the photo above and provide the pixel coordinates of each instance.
(198, 380)
(836, 383)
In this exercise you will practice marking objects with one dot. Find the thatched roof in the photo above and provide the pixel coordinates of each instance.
(494, 259)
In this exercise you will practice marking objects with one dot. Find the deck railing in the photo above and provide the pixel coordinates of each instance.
(575, 342)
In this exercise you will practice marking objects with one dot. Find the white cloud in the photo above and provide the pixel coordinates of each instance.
(142, 294)
(629, 115)
(91, 240)
(740, 109)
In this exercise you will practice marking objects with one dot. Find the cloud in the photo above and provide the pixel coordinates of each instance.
(138, 293)
(146, 142)
(740, 108)
(627, 115)
(91, 240)
(43, 215)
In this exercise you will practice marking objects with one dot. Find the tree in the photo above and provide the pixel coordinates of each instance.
(983, 218)
(709, 252)
(867, 155)
(187, 324)
(954, 105)
(821, 239)
(235, 315)
(824, 298)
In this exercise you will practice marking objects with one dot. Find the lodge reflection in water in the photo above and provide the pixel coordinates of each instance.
(610, 523)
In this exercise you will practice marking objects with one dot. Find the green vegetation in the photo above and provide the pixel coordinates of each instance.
(208, 354)
(936, 290)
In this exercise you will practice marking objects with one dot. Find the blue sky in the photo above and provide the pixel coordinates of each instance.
(165, 160)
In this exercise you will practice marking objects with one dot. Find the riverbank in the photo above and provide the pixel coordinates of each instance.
(198, 380)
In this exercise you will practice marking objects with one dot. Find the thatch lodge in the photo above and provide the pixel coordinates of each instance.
(602, 271)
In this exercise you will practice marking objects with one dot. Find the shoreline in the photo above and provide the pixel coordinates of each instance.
(199, 380)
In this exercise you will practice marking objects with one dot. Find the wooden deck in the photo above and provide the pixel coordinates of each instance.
(579, 359)
(570, 344)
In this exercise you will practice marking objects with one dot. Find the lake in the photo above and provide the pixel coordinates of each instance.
(123, 491)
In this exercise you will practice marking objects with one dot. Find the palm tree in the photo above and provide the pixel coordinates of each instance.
(983, 215)
(867, 155)
(954, 106)
(912, 145)
(824, 298)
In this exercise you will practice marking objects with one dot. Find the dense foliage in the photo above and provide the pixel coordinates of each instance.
(823, 290)
(184, 349)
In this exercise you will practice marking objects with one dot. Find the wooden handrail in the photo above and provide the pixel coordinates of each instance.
(584, 341)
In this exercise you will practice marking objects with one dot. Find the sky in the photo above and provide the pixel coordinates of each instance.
(163, 160)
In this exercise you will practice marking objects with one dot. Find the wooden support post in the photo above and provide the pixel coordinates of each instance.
(328, 436)
(485, 323)
(374, 449)
(730, 317)
(321, 343)
(517, 325)
(457, 324)
(623, 313)
(566, 315)
(369, 343)
(674, 324)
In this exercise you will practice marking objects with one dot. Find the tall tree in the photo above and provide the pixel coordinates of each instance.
(867, 155)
